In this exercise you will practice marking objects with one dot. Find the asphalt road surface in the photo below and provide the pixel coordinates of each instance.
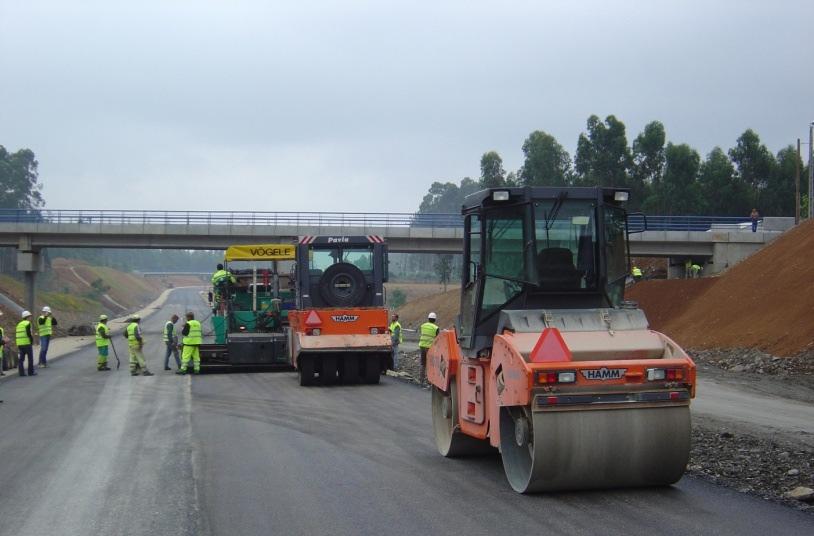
(85, 452)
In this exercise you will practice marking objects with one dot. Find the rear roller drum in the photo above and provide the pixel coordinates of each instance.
(328, 373)
(451, 442)
(306, 370)
(563, 450)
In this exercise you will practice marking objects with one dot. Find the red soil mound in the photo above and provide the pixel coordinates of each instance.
(765, 302)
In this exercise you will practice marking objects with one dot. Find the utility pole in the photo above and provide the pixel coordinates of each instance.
(811, 170)
(797, 186)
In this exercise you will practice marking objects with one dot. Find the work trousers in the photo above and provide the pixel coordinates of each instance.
(137, 363)
(395, 356)
(26, 350)
(193, 352)
(45, 342)
(423, 373)
(101, 360)
(172, 349)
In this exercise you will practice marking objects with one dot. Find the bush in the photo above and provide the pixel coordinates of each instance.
(397, 298)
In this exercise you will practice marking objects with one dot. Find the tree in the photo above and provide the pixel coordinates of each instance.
(722, 191)
(778, 197)
(447, 197)
(547, 163)
(19, 180)
(755, 163)
(443, 269)
(679, 188)
(492, 174)
(648, 161)
(603, 157)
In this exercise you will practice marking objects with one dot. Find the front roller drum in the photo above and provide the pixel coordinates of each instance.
(590, 449)
(451, 442)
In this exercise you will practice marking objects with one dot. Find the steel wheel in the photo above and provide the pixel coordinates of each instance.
(451, 442)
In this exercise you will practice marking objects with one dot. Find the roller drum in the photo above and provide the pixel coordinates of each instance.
(588, 449)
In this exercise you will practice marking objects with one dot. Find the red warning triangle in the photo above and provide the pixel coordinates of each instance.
(550, 348)
(313, 319)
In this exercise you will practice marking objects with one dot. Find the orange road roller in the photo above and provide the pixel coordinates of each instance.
(548, 363)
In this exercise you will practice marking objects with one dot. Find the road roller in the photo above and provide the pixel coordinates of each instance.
(547, 362)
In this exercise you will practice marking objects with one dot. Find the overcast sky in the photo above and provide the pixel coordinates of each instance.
(361, 105)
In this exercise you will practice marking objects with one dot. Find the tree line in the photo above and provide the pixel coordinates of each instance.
(665, 178)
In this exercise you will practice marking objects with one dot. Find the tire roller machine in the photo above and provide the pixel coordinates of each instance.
(547, 362)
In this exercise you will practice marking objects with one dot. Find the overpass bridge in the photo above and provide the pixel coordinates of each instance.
(718, 241)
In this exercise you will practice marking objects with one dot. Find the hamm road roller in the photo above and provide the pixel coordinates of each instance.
(547, 362)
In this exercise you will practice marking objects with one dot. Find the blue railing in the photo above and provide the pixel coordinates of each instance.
(637, 222)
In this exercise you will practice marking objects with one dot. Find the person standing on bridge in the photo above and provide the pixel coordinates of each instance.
(135, 342)
(171, 342)
(45, 328)
(25, 341)
(102, 343)
(396, 338)
(428, 331)
(193, 337)
(754, 216)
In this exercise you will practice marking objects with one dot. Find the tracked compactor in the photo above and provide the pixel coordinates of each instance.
(547, 362)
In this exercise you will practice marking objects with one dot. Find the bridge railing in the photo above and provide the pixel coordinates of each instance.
(340, 220)
(274, 219)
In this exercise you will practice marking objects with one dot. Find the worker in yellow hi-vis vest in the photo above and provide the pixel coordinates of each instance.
(135, 343)
(428, 332)
(193, 337)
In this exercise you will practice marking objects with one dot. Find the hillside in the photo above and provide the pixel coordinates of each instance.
(78, 292)
(444, 304)
(765, 302)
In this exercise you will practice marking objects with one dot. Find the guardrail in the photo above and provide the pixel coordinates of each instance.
(636, 222)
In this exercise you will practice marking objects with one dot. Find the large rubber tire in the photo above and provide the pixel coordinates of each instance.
(327, 374)
(343, 285)
(591, 449)
(349, 369)
(305, 367)
(373, 369)
(451, 442)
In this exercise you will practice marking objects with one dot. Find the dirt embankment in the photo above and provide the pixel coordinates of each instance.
(444, 304)
(765, 302)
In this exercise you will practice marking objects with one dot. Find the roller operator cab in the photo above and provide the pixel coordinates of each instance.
(547, 362)
(339, 329)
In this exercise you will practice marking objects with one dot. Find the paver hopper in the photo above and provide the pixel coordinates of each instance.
(548, 363)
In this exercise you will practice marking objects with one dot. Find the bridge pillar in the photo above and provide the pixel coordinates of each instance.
(29, 261)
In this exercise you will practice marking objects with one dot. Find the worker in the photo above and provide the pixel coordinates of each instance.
(193, 337)
(755, 217)
(429, 331)
(135, 342)
(171, 342)
(220, 282)
(2, 350)
(102, 343)
(25, 339)
(636, 272)
(396, 338)
(45, 328)
(695, 269)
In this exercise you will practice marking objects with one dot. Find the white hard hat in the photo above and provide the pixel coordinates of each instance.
(102, 317)
(26, 314)
(431, 316)
(135, 317)
(46, 309)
